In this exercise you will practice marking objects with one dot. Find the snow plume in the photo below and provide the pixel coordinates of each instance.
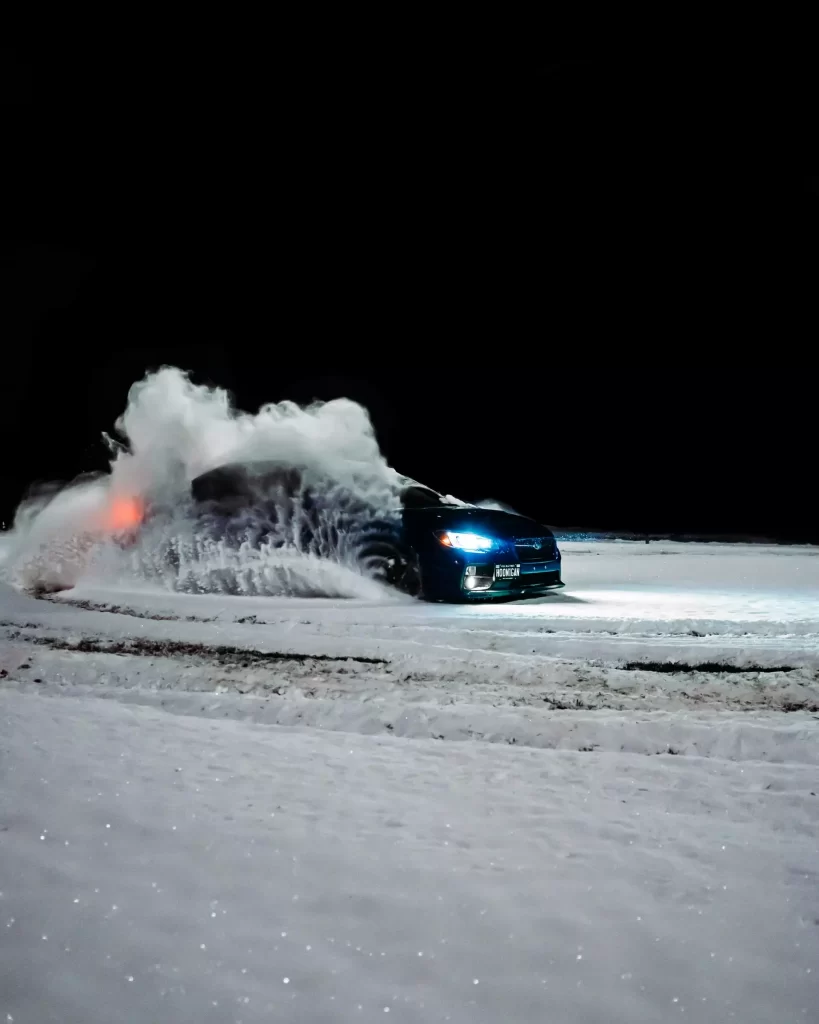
(176, 430)
(172, 430)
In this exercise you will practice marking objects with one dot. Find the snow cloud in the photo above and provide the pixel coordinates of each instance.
(171, 431)
(176, 430)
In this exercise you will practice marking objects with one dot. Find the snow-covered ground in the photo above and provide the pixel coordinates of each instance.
(600, 805)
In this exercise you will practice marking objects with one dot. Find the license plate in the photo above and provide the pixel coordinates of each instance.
(507, 572)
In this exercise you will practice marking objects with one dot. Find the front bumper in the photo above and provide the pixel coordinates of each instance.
(534, 578)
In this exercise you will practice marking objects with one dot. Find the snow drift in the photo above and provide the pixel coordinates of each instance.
(172, 431)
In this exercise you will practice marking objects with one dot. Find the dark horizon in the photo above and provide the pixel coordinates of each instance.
(623, 462)
(615, 347)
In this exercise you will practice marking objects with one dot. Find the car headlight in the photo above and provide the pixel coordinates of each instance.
(465, 541)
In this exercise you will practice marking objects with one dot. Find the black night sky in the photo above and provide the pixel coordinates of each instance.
(534, 306)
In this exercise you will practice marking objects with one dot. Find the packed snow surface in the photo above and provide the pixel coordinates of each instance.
(596, 806)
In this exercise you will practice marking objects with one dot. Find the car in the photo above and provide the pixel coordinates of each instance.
(429, 545)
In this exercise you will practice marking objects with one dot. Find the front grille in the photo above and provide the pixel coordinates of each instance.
(534, 549)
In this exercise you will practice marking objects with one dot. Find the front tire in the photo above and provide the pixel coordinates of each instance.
(433, 588)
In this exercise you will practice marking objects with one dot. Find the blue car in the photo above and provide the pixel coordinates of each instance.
(462, 552)
(432, 546)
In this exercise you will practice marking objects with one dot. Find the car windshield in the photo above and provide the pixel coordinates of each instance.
(418, 496)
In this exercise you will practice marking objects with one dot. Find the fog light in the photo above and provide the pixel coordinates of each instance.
(471, 570)
(476, 582)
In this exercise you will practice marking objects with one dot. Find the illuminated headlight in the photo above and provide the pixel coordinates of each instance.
(465, 541)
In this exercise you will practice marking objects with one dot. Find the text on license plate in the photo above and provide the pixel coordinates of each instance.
(507, 572)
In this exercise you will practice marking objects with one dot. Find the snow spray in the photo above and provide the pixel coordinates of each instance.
(137, 522)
